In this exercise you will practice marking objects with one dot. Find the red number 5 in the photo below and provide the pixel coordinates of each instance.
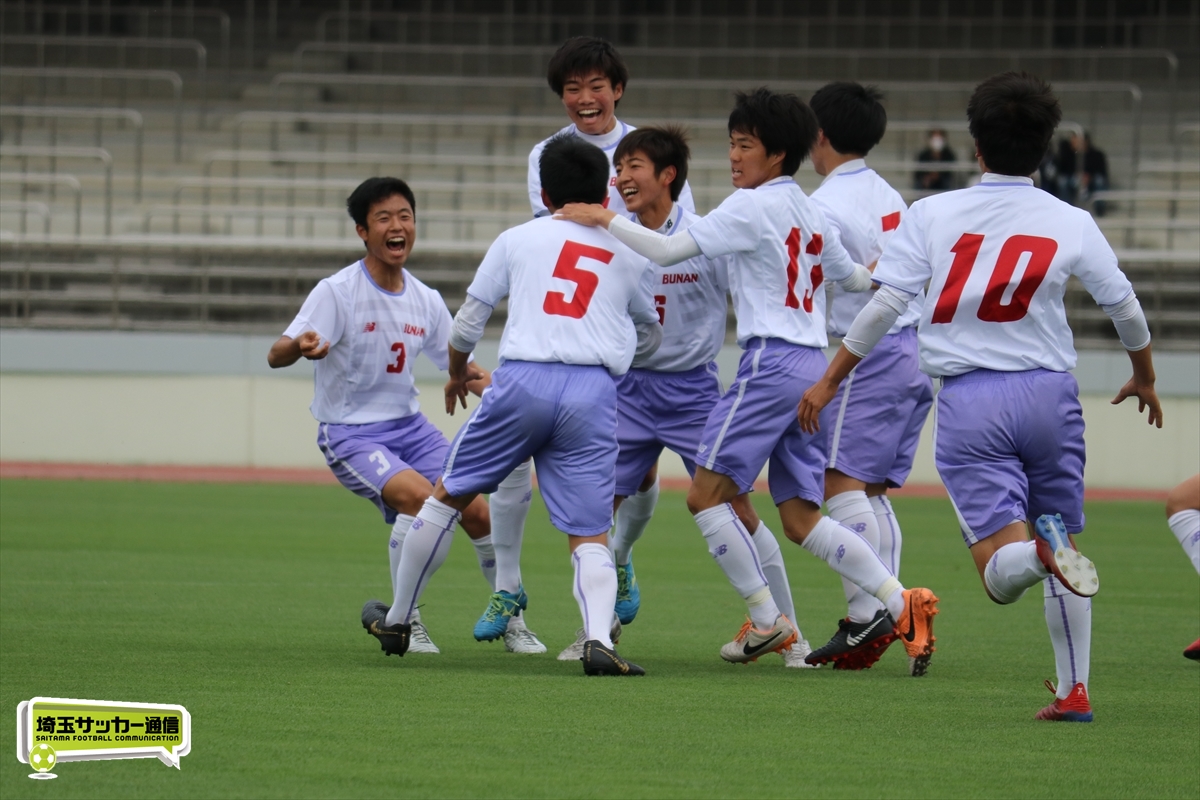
(585, 282)
(992, 308)
(398, 347)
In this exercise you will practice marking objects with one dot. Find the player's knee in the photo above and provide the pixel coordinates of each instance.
(1184, 496)
(745, 512)
(406, 492)
(477, 519)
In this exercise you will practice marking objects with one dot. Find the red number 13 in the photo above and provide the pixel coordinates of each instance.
(816, 276)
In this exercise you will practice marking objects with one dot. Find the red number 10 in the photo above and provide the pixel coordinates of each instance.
(816, 276)
(992, 308)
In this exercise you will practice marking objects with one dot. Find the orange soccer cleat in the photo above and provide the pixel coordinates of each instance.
(1072, 708)
(915, 628)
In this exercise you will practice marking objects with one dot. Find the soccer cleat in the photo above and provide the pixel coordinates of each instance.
(857, 645)
(1193, 651)
(393, 639)
(750, 642)
(915, 629)
(1059, 556)
(419, 641)
(574, 651)
(519, 639)
(629, 597)
(795, 655)
(502, 606)
(1072, 708)
(600, 660)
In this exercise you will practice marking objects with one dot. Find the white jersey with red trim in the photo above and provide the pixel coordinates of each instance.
(781, 250)
(373, 336)
(608, 143)
(865, 211)
(574, 294)
(997, 257)
(691, 300)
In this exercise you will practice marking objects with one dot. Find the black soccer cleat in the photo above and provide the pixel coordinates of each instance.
(856, 645)
(393, 639)
(601, 660)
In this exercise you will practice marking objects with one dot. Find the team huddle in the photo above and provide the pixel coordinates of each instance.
(617, 295)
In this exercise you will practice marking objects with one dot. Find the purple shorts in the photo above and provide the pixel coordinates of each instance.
(657, 410)
(879, 412)
(365, 457)
(1009, 447)
(563, 415)
(755, 423)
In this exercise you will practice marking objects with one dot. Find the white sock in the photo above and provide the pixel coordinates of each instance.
(1069, 618)
(854, 511)
(510, 506)
(595, 590)
(632, 518)
(424, 551)
(853, 559)
(730, 546)
(770, 557)
(396, 545)
(1013, 569)
(890, 539)
(487, 559)
(1186, 527)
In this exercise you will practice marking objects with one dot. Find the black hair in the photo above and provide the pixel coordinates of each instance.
(782, 122)
(372, 191)
(573, 171)
(665, 147)
(581, 55)
(851, 115)
(1012, 117)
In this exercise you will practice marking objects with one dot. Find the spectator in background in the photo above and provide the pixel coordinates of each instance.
(936, 149)
(1082, 169)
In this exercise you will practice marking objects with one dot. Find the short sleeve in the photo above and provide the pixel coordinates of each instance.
(437, 345)
(836, 263)
(732, 227)
(1097, 266)
(491, 279)
(322, 313)
(641, 305)
(905, 263)
(685, 198)
(534, 182)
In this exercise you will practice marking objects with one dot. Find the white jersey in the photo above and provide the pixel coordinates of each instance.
(782, 250)
(574, 294)
(865, 211)
(690, 298)
(997, 257)
(608, 143)
(373, 336)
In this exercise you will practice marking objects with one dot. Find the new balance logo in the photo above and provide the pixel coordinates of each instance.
(418, 524)
(528, 496)
(860, 527)
(841, 551)
(392, 543)
(488, 563)
(369, 327)
(720, 551)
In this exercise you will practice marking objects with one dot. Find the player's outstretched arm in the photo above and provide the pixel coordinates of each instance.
(1141, 386)
(593, 215)
(287, 351)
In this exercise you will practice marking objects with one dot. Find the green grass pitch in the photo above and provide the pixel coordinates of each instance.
(242, 603)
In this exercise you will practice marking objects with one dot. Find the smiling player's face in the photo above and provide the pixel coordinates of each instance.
(749, 162)
(391, 231)
(590, 101)
(638, 185)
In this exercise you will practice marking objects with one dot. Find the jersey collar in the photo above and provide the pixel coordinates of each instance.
(996, 179)
(674, 217)
(851, 167)
(605, 141)
(782, 180)
(362, 264)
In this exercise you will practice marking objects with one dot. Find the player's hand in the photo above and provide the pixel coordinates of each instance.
(311, 347)
(456, 392)
(1147, 398)
(592, 214)
(478, 379)
(816, 398)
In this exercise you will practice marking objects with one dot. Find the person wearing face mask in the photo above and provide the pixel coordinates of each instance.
(937, 149)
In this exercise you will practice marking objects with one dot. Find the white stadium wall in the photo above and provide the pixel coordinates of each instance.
(101, 398)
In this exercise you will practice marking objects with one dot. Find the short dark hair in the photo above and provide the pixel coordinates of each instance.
(580, 55)
(782, 122)
(372, 191)
(573, 171)
(665, 147)
(851, 115)
(1012, 117)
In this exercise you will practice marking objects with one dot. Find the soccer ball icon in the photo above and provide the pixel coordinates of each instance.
(42, 757)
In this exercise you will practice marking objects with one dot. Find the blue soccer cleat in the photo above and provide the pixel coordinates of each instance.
(502, 607)
(629, 597)
(1059, 556)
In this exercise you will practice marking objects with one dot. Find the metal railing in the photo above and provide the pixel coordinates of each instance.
(25, 152)
(55, 113)
(125, 76)
(26, 179)
(26, 207)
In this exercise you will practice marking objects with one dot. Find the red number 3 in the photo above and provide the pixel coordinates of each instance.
(816, 276)
(585, 282)
(397, 348)
(992, 308)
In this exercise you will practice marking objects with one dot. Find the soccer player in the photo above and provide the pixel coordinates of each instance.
(665, 398)
(880, 409)
(781, 252)
(1183, 515)
(364, 326)
(576, 318)
(589, 76)
(1008, 424)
